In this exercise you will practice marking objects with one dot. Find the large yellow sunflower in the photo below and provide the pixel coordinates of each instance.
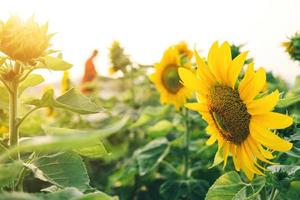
(239, 120)
(167, 81)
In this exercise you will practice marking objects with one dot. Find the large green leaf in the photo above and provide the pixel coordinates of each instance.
(184, 189)
(30, 81)
(66, 194)
(230, 187)
(160, 129)
(61, 169)
(76, 102)
(151, 155)
(56, 64)
(9, 173)
(72, 100)
(54, 143)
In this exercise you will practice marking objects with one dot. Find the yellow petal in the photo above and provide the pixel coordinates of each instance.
(190, 80)
(268, 139)
(273, 120)
(236, 163)
(235, 68)
(223, 61)
(243, 163)
(200, 107)
(250, 160)
(226, 149)
(255, 149)
(203, 71)
(254, 86)
(212, 139)
(264, 104)
(249, 74)
(212, 60)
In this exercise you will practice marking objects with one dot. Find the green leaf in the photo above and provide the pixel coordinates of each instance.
(9, 172)
(184, 189)
(97, 196)
(55, 143)
(294, 190)
(56, 64)
(76, 102)
(230, 187)
(218, 158)
(149, 157)
(160, 129)
(62, 169)
(286, 102)
(72, 100)
(66, 194)
(93, 152)
(142, 120)
(30, 81)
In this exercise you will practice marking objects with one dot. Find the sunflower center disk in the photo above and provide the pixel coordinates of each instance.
(229, 113)
(171, 80)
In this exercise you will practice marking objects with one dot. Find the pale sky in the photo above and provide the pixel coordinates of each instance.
(147, 28)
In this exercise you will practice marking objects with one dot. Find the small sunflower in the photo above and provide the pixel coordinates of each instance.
(239, 120)
(167, 81)
(292, 47)
(23, 41)
(184, 50)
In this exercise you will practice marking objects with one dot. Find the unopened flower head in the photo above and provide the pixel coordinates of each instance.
(23, 41)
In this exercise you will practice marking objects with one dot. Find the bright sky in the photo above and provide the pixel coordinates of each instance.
(146, 28)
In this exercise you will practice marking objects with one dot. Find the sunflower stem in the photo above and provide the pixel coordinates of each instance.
(13, 111)
(186, 145)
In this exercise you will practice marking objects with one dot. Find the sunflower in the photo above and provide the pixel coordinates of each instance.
(183, 50)
(237, 118)
(23, 41)
(167, 81)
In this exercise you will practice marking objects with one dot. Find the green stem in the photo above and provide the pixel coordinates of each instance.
(187, 144)
(131, 77)
(13, 111)
(273, 194)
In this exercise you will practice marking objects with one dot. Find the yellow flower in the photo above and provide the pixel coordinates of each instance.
(65, 84)
(167, 81)
(183, 50)
(23, 41)
(237, 119)
(112, 70)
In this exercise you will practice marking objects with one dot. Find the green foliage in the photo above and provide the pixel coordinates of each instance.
(151, 155)
(72, 100)
(31, 81)
(230, 186)
(56, 64)
(9, 173)
(293, 47)
(66, 194)
(62, 169)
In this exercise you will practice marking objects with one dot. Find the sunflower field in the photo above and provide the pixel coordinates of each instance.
(190, 126)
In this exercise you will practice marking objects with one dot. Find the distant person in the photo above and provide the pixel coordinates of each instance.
(90, 73)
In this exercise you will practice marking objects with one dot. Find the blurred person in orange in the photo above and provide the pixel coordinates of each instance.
(90, 73)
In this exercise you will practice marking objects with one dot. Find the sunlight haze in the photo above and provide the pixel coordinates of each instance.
(146, 28)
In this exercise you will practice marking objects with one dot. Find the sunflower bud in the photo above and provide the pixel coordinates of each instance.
(23, 41)
(118, 58)
(293, 47)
